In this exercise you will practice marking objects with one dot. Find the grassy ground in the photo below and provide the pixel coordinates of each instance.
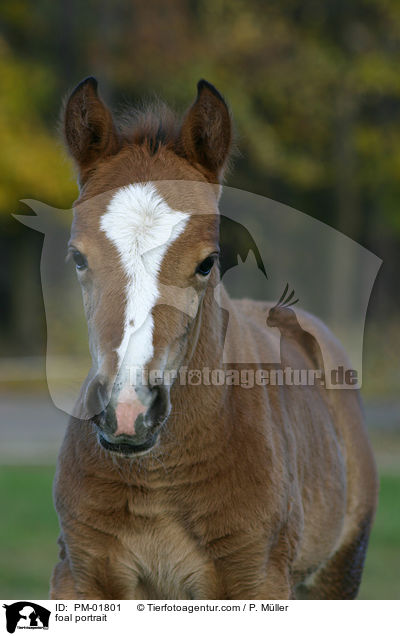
(29, 528)
(382, 570)
(28, 532)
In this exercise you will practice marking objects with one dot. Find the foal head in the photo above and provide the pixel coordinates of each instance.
(145, 244)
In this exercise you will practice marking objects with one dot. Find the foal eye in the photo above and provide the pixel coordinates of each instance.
(79, 260)
(205, 266)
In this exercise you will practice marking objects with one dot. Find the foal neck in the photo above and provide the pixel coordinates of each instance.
(195, 400)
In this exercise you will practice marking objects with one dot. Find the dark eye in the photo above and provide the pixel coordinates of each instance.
(205, 266)
(80, 260)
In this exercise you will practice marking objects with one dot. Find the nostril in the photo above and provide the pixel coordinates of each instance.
(102, 396)
(147, 394)
(97, 398)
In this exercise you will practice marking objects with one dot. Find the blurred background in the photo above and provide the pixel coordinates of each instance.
(315, 92)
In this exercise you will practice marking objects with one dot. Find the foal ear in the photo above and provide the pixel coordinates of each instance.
(89, 129)
(206, 133)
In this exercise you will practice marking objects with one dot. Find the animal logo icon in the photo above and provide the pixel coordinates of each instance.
(194, 377)
(293, 336)
(25, 614)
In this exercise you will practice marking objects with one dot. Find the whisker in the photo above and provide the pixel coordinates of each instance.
(283, 295)
(292, 303)
(289, 298)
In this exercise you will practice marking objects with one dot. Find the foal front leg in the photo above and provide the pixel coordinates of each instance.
(62, 584)
(274, 586)
(250, 575)
(90, 567)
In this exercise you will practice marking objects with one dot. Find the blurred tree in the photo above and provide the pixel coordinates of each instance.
(31, 160)
(314, 88)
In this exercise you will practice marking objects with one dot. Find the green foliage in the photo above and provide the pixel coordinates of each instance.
(31, 161)
(314, 88)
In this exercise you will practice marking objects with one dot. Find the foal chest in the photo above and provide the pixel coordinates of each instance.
(164, 562)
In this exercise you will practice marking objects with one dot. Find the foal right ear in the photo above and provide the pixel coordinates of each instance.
(206, 133)
(89, 128)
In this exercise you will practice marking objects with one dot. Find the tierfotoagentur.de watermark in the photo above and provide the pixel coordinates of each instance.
(245, 378)
(269, 253)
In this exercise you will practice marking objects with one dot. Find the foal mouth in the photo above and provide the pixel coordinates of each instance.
(128, 448)
(139, 437)
(144, 439)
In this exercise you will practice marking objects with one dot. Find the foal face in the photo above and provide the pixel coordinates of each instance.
(145, 244)
(144, 260)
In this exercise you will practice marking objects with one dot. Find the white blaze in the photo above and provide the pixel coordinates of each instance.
(141, 225)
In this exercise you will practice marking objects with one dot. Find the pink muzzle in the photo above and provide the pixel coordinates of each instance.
(129, 407)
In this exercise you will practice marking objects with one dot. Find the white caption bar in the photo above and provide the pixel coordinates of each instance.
(99, 617)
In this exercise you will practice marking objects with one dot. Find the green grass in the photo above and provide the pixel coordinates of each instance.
(28, 532)
(381, 578)
(29, 529)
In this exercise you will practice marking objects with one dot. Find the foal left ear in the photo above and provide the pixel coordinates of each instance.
(206, 133)
(89, 128)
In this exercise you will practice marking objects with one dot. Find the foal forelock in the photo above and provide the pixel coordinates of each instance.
(141, 226)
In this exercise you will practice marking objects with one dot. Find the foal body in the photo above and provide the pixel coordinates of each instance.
(266, 492)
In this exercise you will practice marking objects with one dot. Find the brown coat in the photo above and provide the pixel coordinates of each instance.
(267, 492)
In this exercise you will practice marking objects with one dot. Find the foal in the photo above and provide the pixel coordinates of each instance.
(169, 490)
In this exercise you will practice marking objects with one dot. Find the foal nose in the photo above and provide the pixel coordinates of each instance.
(119, 411)
(128, 409)
(124, 414)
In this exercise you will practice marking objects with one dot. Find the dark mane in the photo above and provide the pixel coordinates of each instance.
(154, 124)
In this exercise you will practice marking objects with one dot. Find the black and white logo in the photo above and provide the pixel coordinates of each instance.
(26, 615)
